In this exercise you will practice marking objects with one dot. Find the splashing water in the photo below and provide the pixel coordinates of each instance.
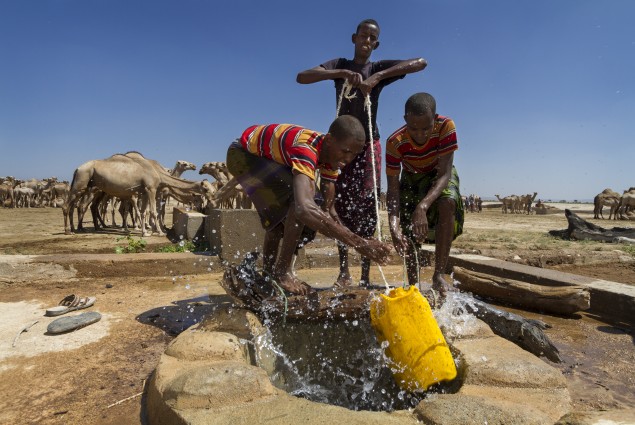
(339, 363)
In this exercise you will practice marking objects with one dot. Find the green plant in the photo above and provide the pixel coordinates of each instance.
(185, 246)
(133, 245)
(629, 249)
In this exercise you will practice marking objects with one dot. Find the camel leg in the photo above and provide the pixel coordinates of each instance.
(68, 206)
(142, 212)
(152, 200)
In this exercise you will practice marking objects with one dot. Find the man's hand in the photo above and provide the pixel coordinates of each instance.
(353, 78)
(375, 250)
(398, 239)
(366, 86)
(420, 223)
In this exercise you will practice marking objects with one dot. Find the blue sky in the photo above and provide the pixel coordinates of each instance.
(542, 91)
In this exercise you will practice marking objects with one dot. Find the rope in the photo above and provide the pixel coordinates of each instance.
(282, 294)
(346, 93)
(367, 106)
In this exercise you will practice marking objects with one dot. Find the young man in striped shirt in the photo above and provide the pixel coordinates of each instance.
(424, 203)
(276, 165)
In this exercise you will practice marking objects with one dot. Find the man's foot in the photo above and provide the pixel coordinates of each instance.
(440, 285)
(292, 284)
(343, 280)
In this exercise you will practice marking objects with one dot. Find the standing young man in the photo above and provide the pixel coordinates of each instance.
(424, 202)
(351, 200)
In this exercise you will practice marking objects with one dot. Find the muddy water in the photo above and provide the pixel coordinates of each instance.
(598, 359)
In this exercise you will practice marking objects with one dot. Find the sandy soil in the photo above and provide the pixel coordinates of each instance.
(148, 299)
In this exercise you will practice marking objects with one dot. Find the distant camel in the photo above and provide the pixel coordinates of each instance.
(606, 198)
(509, 203)
(627, 203)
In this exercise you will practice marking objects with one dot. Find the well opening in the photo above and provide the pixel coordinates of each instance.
(336, 362)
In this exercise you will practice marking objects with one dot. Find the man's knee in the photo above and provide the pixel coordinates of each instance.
(277, 231)
(446, 205)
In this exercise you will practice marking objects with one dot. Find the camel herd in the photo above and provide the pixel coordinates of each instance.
(47, 192)
(137, 187)
(623, 204)
(140, 189)
(518, 204)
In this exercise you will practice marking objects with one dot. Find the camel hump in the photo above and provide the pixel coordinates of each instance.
(135, 153)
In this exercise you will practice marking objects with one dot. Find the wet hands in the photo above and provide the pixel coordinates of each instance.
(398, 239)
(420, 223)
(356, 81)
(375, 250)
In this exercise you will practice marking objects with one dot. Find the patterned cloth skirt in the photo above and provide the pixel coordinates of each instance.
(413, 187)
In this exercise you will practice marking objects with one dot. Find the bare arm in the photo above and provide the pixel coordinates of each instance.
(392, 199)
(328, 192)
(402, 68)
(310, 214)
(319, 73)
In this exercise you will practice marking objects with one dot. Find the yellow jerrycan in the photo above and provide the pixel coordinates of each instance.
(416, 346)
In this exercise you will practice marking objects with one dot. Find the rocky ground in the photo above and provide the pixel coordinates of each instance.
(146, 299)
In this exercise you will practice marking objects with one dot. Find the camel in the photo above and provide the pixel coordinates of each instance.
(6, 195)
(509, 203)
(627, 203)
(606, 198)
(24, 196)
(180, 167)
(119, 176)
(164, 198)
(128, 177)
(228, 187)
(55, 190)
(526, 201)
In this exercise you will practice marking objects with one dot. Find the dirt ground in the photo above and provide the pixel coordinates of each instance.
(146, 300)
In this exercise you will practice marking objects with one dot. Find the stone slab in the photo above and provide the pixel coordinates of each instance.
(187, 224)
(234, 233)
(608, 299)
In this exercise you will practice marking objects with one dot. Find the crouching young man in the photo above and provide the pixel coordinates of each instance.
(276, 165)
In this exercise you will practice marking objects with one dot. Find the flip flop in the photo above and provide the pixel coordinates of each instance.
(70, 323)
(70, 303)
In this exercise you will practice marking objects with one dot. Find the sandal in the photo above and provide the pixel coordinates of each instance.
(70, 303)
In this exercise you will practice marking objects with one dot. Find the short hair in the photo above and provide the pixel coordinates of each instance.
(421, 104)
(347, 127)
(367, 21)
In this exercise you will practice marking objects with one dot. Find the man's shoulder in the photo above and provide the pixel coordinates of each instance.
(445, 120)
(398, 136)
(337, 63)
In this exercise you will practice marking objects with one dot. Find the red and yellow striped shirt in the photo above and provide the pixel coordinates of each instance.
(402, 152)
(291, 145)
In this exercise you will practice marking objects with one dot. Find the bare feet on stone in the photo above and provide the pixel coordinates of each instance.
(292, 284)
(440, 285)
